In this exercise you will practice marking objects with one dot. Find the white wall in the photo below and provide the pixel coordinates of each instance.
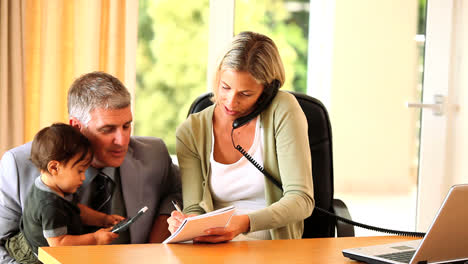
(374, 73)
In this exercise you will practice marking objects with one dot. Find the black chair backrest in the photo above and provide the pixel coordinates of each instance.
(318, 224)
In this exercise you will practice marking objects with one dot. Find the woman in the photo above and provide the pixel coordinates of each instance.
(215, 174)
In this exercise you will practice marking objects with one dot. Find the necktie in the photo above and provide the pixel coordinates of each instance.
(102, 193)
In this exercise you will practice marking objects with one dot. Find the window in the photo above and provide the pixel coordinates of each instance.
(172, 54)
(171, 64)
(287, 23)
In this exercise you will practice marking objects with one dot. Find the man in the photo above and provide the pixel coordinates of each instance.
(127, 172)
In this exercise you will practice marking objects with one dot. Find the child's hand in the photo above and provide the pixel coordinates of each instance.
(104, 236)
(112, 220)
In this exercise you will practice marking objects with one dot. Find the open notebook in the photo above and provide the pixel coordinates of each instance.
(195, 226)
(445, 241)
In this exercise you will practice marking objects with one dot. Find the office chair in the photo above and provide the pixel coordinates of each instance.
(318, 224)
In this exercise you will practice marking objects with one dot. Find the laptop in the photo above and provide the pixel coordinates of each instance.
(446, 241)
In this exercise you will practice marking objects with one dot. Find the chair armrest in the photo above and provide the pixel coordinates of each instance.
(342, 229)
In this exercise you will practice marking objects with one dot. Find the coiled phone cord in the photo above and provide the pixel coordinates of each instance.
(339, 218)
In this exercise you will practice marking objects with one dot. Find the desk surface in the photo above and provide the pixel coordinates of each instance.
(316, 250)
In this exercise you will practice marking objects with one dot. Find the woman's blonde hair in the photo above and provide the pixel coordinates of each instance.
(254, 53)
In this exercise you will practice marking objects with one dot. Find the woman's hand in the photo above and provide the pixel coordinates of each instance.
(238, 224)
(175, 220)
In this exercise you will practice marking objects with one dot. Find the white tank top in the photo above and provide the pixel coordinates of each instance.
(241, 184)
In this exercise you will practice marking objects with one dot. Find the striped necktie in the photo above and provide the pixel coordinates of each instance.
(103, 188)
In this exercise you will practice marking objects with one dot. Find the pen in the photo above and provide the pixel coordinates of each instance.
(176, 206)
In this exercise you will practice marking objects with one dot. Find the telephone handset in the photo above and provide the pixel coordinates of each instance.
(263, 103)
(265, 99)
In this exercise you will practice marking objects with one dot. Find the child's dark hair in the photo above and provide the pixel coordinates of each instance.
(60, 142)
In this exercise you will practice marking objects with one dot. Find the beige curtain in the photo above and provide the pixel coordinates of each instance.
(61, 40)
(11, 74)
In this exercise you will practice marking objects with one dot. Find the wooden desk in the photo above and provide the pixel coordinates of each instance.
(317, 250)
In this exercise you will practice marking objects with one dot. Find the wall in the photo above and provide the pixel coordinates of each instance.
(374, 73)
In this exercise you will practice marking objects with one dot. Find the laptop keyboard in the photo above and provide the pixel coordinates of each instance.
(404, 256)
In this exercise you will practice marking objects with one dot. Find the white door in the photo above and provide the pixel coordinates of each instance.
(443, 136)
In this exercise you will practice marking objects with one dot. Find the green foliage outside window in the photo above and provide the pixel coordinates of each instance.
(173, 50)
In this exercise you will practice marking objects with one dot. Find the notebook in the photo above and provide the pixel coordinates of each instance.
(195, 226)
(445, 241)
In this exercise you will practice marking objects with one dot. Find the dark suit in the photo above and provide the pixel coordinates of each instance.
(148, 177)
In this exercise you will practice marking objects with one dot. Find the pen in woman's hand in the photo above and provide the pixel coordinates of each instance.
(176, 206)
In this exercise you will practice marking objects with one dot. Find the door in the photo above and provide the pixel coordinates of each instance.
(443, 136)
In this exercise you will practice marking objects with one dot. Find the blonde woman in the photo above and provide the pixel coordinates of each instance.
(214, 174)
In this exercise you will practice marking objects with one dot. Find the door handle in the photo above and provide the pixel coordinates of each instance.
(437, 107)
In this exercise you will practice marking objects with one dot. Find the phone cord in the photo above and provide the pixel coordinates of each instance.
(374, 228)
(339, 218)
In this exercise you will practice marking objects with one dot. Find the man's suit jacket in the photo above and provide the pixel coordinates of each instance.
(148, 177)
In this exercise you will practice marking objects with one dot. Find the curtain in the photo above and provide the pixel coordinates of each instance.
(11, 74)
(61, 40)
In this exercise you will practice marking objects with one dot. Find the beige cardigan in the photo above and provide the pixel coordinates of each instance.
(286, 154)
